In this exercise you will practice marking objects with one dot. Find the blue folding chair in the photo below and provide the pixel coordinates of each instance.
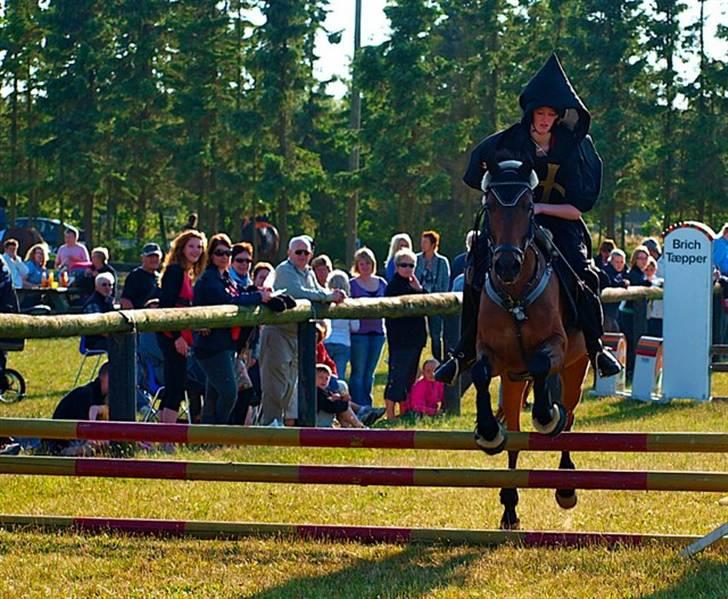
(88, 353)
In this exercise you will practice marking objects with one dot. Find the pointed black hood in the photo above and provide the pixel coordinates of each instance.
(551, 87)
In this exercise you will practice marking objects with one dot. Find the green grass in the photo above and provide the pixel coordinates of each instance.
(34, 563)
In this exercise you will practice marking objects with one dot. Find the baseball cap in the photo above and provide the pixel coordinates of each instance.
(151, 248)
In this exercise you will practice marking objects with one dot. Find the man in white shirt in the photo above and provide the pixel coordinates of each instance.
(18, 269)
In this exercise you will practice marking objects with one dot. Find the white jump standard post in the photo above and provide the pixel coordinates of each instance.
(646, 380)
(688, 311)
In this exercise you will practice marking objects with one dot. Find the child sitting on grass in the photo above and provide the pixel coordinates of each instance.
(426, 395)
(332, 403)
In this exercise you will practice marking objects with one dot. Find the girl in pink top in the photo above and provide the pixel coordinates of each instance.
(426, 394)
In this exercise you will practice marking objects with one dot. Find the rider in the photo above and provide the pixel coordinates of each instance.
(553, 136)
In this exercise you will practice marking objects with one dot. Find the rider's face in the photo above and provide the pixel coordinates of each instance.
(544, 118)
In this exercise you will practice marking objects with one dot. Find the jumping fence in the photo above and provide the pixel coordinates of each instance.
(122, 327)
(361, 476)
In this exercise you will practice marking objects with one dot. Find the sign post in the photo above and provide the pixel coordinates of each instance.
(688, 311)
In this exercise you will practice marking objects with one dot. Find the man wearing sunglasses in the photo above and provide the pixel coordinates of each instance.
(279, 343)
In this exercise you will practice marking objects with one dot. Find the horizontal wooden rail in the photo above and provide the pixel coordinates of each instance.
(683, 442)
(621, 480)
(211, 317)
(204, 529)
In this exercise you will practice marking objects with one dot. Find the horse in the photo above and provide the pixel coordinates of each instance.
(263, 236)
(525, 334)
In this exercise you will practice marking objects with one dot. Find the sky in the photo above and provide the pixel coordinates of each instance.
(335, 59)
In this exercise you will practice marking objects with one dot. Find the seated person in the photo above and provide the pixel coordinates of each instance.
(99, 264)
(71, 252)
(87, 402)
(367, 414)
(18, 269)
(426, 395)
(100, 302)
(36, 259)
(332, 403)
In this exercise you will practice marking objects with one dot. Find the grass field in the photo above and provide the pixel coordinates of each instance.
(35, 563)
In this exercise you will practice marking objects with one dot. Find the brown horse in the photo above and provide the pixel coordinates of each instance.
(523, 335)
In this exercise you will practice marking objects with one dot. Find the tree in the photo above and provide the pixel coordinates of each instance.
(283, 74)
(607, 40)
(76, 77)
(138, 136)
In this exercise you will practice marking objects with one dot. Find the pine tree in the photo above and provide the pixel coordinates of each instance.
(283, 80)
(76, 79)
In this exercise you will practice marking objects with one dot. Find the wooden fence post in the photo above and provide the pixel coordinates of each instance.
(122, 376)
(306, 373)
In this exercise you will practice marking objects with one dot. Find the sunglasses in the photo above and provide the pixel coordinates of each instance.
(243, 260)
(302, 253)
(104, 284)
(221, 253)
(405, 265)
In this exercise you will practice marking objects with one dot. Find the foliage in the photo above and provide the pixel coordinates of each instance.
(127, 116)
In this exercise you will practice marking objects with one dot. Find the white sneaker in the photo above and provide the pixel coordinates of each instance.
(275, 423)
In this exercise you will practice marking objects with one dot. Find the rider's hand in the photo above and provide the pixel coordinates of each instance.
(338, 296)
(265, 295)
(415, 283)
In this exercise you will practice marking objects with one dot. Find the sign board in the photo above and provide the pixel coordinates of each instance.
(688, 269)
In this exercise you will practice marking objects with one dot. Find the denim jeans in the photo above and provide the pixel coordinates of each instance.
(221, 388)
(435, 324)
(340, 354)
(365, 353)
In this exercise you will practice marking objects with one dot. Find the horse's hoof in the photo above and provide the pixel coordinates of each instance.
(557, 423)
(496, 445)
(566, 502)
(508, 524)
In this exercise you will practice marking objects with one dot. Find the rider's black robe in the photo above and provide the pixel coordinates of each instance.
(569, 174)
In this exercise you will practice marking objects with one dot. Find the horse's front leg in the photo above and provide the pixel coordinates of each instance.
(489, 433)
(548, 414)
(509, 500)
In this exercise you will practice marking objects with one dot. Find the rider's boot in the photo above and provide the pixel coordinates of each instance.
(591, 320)
(462, 356)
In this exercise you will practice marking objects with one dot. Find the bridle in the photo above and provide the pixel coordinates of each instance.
(508, 194)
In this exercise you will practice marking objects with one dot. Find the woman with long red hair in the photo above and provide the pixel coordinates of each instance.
(184, 263)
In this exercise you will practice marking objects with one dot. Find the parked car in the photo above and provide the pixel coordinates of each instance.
(50, 229)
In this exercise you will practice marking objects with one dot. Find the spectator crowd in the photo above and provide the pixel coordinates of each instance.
(250, 375)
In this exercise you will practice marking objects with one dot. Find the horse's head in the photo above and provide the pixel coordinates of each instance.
(508, 187)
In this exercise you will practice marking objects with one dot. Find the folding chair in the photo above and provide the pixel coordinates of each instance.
(88, 353)
(154, 391)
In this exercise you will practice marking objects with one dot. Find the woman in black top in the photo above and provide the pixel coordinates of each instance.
(405, 336)
(215, 349)
(636, 278)
(185, 262)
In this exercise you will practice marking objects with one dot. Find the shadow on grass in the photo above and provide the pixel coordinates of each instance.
(415, 571)
(624, 411)
(707, 578)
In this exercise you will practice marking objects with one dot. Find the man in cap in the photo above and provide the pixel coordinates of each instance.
(142, 284)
